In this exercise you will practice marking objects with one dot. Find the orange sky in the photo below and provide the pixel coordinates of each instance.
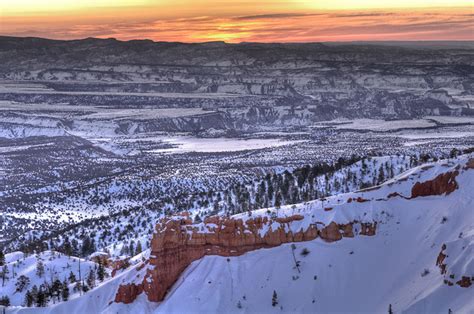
(241, 20)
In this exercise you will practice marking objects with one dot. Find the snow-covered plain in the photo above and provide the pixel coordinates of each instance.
(213, 145)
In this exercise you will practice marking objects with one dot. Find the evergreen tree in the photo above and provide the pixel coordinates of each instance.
(21, 283)
(101, 270)
(5, 301)
(29, 300)
(390, 309)
(139, 248)
(41, 299)
(2, 258)
(72, 277)
(34, 293)
(91, 279)
(65, 291)
(4, 274)
(197, 219)
(56, 290)
(39, 267)
(67, 247)
(274, 298)
(381, 177)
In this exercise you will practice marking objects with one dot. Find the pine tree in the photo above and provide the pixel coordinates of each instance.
(4, 274)
(274, 298)
(139, 248)
(390, 309)
(41, 298)
(197, 219)
(72, 277)
(67, 247)
(65, 291)
(5, 301)
(21, 283)
(39, 267)
(91, 279)
(56, 289)
(101, 270)
(381, 177)
(2, 258)
(29, 300)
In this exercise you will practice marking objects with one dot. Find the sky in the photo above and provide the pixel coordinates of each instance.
(240, 20)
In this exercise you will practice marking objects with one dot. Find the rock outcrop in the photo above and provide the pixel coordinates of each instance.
(128, 293)
(443, 184)
(464, 282)
(178, 242)
(440, 260)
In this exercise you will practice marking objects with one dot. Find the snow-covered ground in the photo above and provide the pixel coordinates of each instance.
(355, 275)
(213, 145)
(56, 266)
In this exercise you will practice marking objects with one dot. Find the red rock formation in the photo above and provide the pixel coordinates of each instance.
(465, 282)
(119, 264)
(443, 183)
(177, 243)
(440, 260)
(128, 293)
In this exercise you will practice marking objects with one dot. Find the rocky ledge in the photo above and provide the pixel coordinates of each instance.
(178, 242)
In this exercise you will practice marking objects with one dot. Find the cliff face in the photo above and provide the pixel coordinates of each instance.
(443, 183)
(465, 280)
(177, 243)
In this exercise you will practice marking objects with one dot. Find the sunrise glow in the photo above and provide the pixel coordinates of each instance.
(237, 21)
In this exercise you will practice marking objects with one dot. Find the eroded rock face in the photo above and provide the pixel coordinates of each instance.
(177, 243)
(464, 282)
(440, 260)
(128, 293)
(443, 184)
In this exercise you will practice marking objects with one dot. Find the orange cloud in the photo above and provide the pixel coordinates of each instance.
(297, 26)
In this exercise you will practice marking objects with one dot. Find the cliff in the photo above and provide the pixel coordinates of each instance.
(178, 242)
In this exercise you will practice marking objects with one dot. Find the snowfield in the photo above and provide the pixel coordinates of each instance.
(364, 274)
(213, 145)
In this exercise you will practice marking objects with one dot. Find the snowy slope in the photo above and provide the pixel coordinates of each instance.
(363, 274)
(56, 266)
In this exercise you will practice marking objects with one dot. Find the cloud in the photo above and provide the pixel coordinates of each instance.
(276, 16)
(272, 27)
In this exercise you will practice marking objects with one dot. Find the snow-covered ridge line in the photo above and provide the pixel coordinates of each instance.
(178, 242)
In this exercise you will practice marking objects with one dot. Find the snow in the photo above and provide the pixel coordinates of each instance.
(382, 270)
(213, 145)
(56, 265)
(355, 275)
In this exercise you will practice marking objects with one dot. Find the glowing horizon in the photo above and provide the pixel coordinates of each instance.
(240, 20)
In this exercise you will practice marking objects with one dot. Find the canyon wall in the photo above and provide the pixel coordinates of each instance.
(178, 242)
